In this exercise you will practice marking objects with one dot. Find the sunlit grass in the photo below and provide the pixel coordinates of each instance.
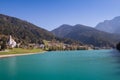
(20, 51)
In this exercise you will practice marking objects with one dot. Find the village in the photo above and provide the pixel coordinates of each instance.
(46, 45)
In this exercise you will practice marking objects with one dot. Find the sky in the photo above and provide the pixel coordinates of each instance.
(50, 14)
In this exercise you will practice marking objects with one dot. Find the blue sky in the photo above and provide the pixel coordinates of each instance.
(50, 14)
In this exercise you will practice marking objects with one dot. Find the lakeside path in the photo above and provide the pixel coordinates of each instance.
(22, 54)
(19, 52)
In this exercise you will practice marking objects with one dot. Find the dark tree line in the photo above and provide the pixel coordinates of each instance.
(118, 46)
(3, 45)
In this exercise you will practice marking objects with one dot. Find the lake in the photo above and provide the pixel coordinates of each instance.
(63, 65)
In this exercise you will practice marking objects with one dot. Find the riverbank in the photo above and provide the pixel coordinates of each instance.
(12, 55)
(19, 52)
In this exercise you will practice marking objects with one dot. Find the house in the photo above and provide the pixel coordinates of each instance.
(42, 46)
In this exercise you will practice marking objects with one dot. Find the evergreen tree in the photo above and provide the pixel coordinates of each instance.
(118, 46)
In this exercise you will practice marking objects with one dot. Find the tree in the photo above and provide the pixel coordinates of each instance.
(118, 46)
(3, 45)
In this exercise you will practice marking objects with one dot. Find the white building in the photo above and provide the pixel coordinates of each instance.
(11, 42)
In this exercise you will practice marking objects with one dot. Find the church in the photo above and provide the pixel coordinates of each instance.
(11, 42)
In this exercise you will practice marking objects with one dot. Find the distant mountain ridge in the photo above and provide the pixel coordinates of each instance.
(26, 32)
(111, 26)
(29, 33)
(86, 35)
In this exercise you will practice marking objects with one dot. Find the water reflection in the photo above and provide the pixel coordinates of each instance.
(12, 66)
(116, 57)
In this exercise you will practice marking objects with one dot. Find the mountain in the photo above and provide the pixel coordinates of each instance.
(111, 26)
(26, 32)
(87, 35)
(22, 30)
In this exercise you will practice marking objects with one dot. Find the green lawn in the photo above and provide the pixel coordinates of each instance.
(21, 51)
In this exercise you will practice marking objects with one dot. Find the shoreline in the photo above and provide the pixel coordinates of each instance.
(22, 54)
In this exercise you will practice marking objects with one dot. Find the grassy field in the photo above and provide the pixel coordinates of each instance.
(20, 51)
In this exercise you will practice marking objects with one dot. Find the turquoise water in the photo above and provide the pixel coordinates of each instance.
(63, 65)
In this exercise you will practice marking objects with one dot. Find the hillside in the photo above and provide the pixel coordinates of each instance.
(87, 35)
(111, 26)
(22, 30)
